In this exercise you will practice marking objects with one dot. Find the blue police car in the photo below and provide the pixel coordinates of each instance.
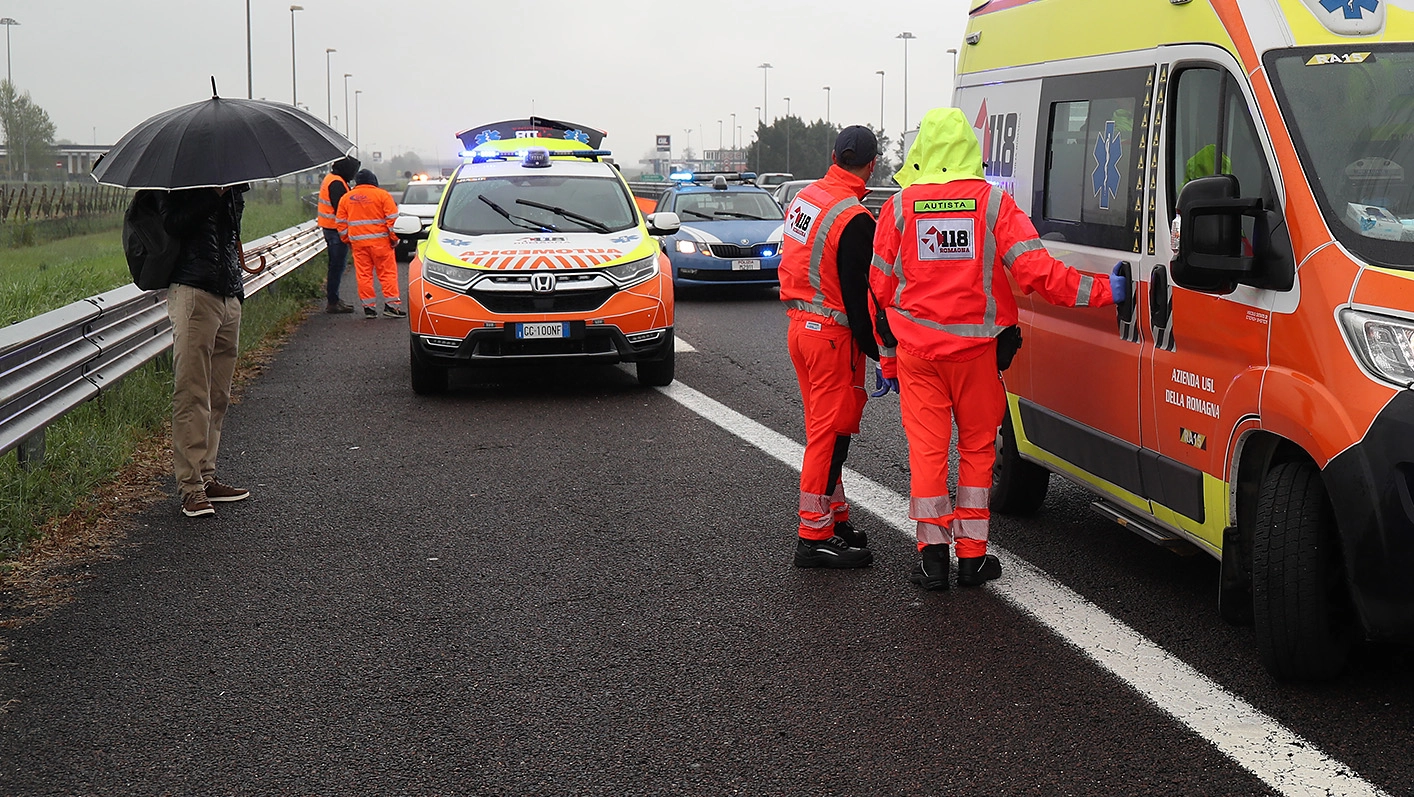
(730, 232)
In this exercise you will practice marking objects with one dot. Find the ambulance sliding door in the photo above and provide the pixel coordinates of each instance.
(1082, 405)
(1201, 349)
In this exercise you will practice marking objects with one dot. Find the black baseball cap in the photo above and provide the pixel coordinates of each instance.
(855, 146)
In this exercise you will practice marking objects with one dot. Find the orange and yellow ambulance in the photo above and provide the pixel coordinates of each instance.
(1252, 166)
(538, 254)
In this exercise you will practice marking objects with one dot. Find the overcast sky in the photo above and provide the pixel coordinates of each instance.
(430, 68)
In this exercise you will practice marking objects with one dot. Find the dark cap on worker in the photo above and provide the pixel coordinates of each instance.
(366, 177)
(855, 146)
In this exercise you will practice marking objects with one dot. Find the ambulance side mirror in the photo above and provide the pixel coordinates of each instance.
(665, 223)
(407, 225)
(1212, 254)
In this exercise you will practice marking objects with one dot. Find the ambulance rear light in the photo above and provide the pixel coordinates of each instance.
(1384, 344)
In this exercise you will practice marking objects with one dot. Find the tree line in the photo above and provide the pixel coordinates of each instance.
(29, 135)
(790, 144)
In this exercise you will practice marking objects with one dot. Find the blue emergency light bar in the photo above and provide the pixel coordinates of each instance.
(485, 155)
(707, 177)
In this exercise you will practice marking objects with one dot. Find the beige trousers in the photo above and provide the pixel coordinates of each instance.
(206, 331)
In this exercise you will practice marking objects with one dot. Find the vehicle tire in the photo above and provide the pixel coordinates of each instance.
(660, 373)
(427, 379)
(1018, 486)
(1300, 605)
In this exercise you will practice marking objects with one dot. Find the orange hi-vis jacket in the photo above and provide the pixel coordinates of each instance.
(366, 215)
(809, 274)
(327, 217)
(941, 255)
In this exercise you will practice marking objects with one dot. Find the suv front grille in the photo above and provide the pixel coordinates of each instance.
(506, 302)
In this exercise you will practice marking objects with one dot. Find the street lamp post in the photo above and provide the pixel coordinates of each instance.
(328, 92)
(356, 93)
(880, 73)
(249, 75)
(765, 84)
(347, 75)
(294, 78)
(906, 36)
(719, 138)
(788, 126)
(734, 129)
(827, 105)
(760, 117)
(8, 22)
(953, 52)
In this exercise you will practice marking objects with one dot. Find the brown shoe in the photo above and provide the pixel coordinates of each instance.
(195, 504)
(339, 307)
(222, 493)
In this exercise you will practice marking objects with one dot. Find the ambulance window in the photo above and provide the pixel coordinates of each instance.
(1092, 129)
(1212, 133)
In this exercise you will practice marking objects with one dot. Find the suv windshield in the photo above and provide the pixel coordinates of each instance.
(727, 206)
(472, 202)
(423, 193)
(1360, 161)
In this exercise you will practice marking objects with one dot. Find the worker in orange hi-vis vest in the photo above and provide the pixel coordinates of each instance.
(942, 251)
(331, 190)
(824, 273)
(365, 218)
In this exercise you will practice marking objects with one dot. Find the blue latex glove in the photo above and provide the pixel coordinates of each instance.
(1119, 285)
(883, 385)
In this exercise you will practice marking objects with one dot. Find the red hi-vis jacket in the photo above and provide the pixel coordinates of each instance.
(809, 274)
(941, 254)
(366, 215)
(327, 217)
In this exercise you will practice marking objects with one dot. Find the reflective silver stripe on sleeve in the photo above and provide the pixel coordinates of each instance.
(888, 351)
(1082, 296)
(897, 199)
(989, 253)
(821, 310)
(882, 264)
(817, 246)
(324, 215)
(1020, 249)
(391, 217)
(937, 506)
(973, 497)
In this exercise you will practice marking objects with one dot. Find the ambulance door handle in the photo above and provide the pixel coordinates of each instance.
(1159, 298)
(1124, 310)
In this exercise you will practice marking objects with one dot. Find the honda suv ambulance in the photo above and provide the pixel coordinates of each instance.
(1252, 166)
(538, 253)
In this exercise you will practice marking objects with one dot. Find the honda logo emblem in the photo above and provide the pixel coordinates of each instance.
(542, 283)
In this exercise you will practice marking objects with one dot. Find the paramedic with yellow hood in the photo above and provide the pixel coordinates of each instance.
(940, 250)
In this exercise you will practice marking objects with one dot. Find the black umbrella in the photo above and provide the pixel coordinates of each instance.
(220, 142)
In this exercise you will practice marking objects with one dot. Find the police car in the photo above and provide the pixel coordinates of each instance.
(730, 232)
(419, 199)
(538, 254)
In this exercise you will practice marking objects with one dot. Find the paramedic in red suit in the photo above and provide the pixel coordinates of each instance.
(824, 276)
(942, 251)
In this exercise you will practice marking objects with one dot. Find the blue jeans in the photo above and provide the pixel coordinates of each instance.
(338, 259)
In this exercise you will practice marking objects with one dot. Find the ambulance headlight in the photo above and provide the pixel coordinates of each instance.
(633, 272)
(1383, 343)
(686, 247)
(448, 276)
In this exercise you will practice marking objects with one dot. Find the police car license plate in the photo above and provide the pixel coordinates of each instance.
(746, 265)
(555, 329)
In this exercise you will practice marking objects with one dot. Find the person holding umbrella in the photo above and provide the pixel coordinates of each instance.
(202, 157)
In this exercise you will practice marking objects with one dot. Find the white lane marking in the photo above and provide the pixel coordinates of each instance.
(1258, 743)
(680, 345)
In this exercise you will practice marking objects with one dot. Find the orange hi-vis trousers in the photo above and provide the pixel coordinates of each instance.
(376, 257)
(830, 369)
(932, 394)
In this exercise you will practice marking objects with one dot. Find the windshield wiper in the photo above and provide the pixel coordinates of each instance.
(569, 214)
(739, 215)
(699, 215)
(519, 221)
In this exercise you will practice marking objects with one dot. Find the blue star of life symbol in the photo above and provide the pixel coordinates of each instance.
(577, 135)
(1105, 180)
(1354, 9)
(488, 135)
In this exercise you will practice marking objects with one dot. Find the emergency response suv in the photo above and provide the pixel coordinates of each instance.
(1251, 165)
(537, 254)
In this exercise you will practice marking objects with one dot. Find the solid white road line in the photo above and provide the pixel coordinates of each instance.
(1258, 743)
(680, 345)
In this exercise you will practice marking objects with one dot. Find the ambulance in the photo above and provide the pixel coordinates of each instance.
(538, 254)
(1250, 164)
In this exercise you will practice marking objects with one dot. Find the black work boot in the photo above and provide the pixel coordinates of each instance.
(833, 552)
(931, 571)
(851, 535)
(975, 571)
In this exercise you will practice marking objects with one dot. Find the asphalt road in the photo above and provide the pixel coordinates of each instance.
(558, 582)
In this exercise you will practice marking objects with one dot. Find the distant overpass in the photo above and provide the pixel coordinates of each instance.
(75, 159)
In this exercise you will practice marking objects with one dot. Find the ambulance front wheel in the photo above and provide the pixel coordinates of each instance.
(1301, 609)
(1018, 486)
(427, 379)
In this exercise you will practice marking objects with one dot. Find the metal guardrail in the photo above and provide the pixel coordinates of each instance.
(54, 362)
(648, 189)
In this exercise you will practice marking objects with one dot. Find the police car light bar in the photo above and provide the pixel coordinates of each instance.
(707, 177)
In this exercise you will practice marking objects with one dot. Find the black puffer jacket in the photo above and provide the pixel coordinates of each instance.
(209, 226)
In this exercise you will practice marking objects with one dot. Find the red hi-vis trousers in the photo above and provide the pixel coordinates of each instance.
(932, 394)
(830, 369)
(376, 257)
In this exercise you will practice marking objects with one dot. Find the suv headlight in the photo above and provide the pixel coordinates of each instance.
(633, 272)
(448, 276)
(1384, 344)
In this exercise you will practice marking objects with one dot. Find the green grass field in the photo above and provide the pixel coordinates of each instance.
(88, 447)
